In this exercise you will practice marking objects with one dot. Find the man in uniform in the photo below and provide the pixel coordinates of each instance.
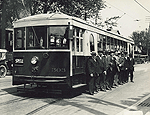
(113, 68)
(126, 67)
(101, 78)
(92, 69)
(116, 57)
(131, 67)
(121, 66)
(108, 68)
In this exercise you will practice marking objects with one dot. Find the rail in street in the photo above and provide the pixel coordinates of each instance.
(126, 99)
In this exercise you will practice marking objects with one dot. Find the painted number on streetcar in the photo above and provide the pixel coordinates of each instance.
(18, 60)
(58, 70)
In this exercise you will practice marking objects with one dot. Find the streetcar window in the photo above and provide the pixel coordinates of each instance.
(36, 37)
(0, 54)
(77, 42)
(19, 39)
(77, 31)
(112, 43)
(99, 44)
(81, 45)
(58, 37)
(118, 44)
(126, 46)
(108, 43)
(81, 39)
(115, 43)
(74, 38)
(104, 42)
(91, 42)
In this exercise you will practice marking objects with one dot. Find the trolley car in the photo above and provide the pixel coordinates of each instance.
(51, 49)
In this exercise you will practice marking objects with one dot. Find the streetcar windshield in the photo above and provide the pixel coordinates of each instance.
(57, 36)
(36, 37)
(19, 39)
(41, 37)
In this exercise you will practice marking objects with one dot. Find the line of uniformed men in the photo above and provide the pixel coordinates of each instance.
(108, 69)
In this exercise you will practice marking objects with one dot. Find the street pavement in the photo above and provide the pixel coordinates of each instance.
(122, 100)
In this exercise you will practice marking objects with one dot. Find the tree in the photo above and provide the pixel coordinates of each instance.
(142, 40)
(17, 9)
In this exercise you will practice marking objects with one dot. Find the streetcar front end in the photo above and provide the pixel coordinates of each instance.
(42, 56)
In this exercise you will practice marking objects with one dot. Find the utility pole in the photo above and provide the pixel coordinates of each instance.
(3, 25)
(148, 35)
(148, 39)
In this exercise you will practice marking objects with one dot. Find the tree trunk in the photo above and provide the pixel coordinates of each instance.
(3, 35)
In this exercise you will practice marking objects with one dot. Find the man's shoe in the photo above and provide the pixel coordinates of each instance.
(116, 85)
(91, 93)
(113, 87)
(107, 88)
(132, 81)
(110, 87)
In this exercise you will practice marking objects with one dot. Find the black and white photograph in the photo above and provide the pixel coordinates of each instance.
(74, 57)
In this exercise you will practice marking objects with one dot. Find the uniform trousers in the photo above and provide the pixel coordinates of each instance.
(131, 74)
(96, 83)
(126, 75)
(121, 76)
(102, 82)
(109, 78)
(116, 78)
(91, 85)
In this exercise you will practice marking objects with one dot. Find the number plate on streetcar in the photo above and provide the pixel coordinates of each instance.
(18, 61)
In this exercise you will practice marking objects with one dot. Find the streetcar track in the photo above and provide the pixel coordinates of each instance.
(43, 107)
(13, 101)
(8, 93)
(5, 93)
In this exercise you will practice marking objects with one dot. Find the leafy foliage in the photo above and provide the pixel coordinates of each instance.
(142, 40)
(17, 9)
(84, 9)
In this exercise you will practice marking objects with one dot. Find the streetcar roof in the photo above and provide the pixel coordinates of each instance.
(62, 19)
(44, 17)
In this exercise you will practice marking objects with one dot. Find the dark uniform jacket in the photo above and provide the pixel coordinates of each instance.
(126, 63)
(107, 62)
(93, 67)
(114, 65)
(121, 63)
(104, 59)
(131, 64)
(100, 64)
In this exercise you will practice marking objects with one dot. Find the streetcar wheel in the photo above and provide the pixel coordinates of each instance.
(3, 71)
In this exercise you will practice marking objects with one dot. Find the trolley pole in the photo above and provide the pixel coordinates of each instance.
(3, 27)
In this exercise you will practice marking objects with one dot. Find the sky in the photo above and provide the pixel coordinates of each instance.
(129, 11)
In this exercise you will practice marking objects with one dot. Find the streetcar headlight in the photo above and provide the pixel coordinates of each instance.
(34, 60)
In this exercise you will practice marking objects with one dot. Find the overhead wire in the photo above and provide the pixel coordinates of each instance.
(142, 6)
(120, 10)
